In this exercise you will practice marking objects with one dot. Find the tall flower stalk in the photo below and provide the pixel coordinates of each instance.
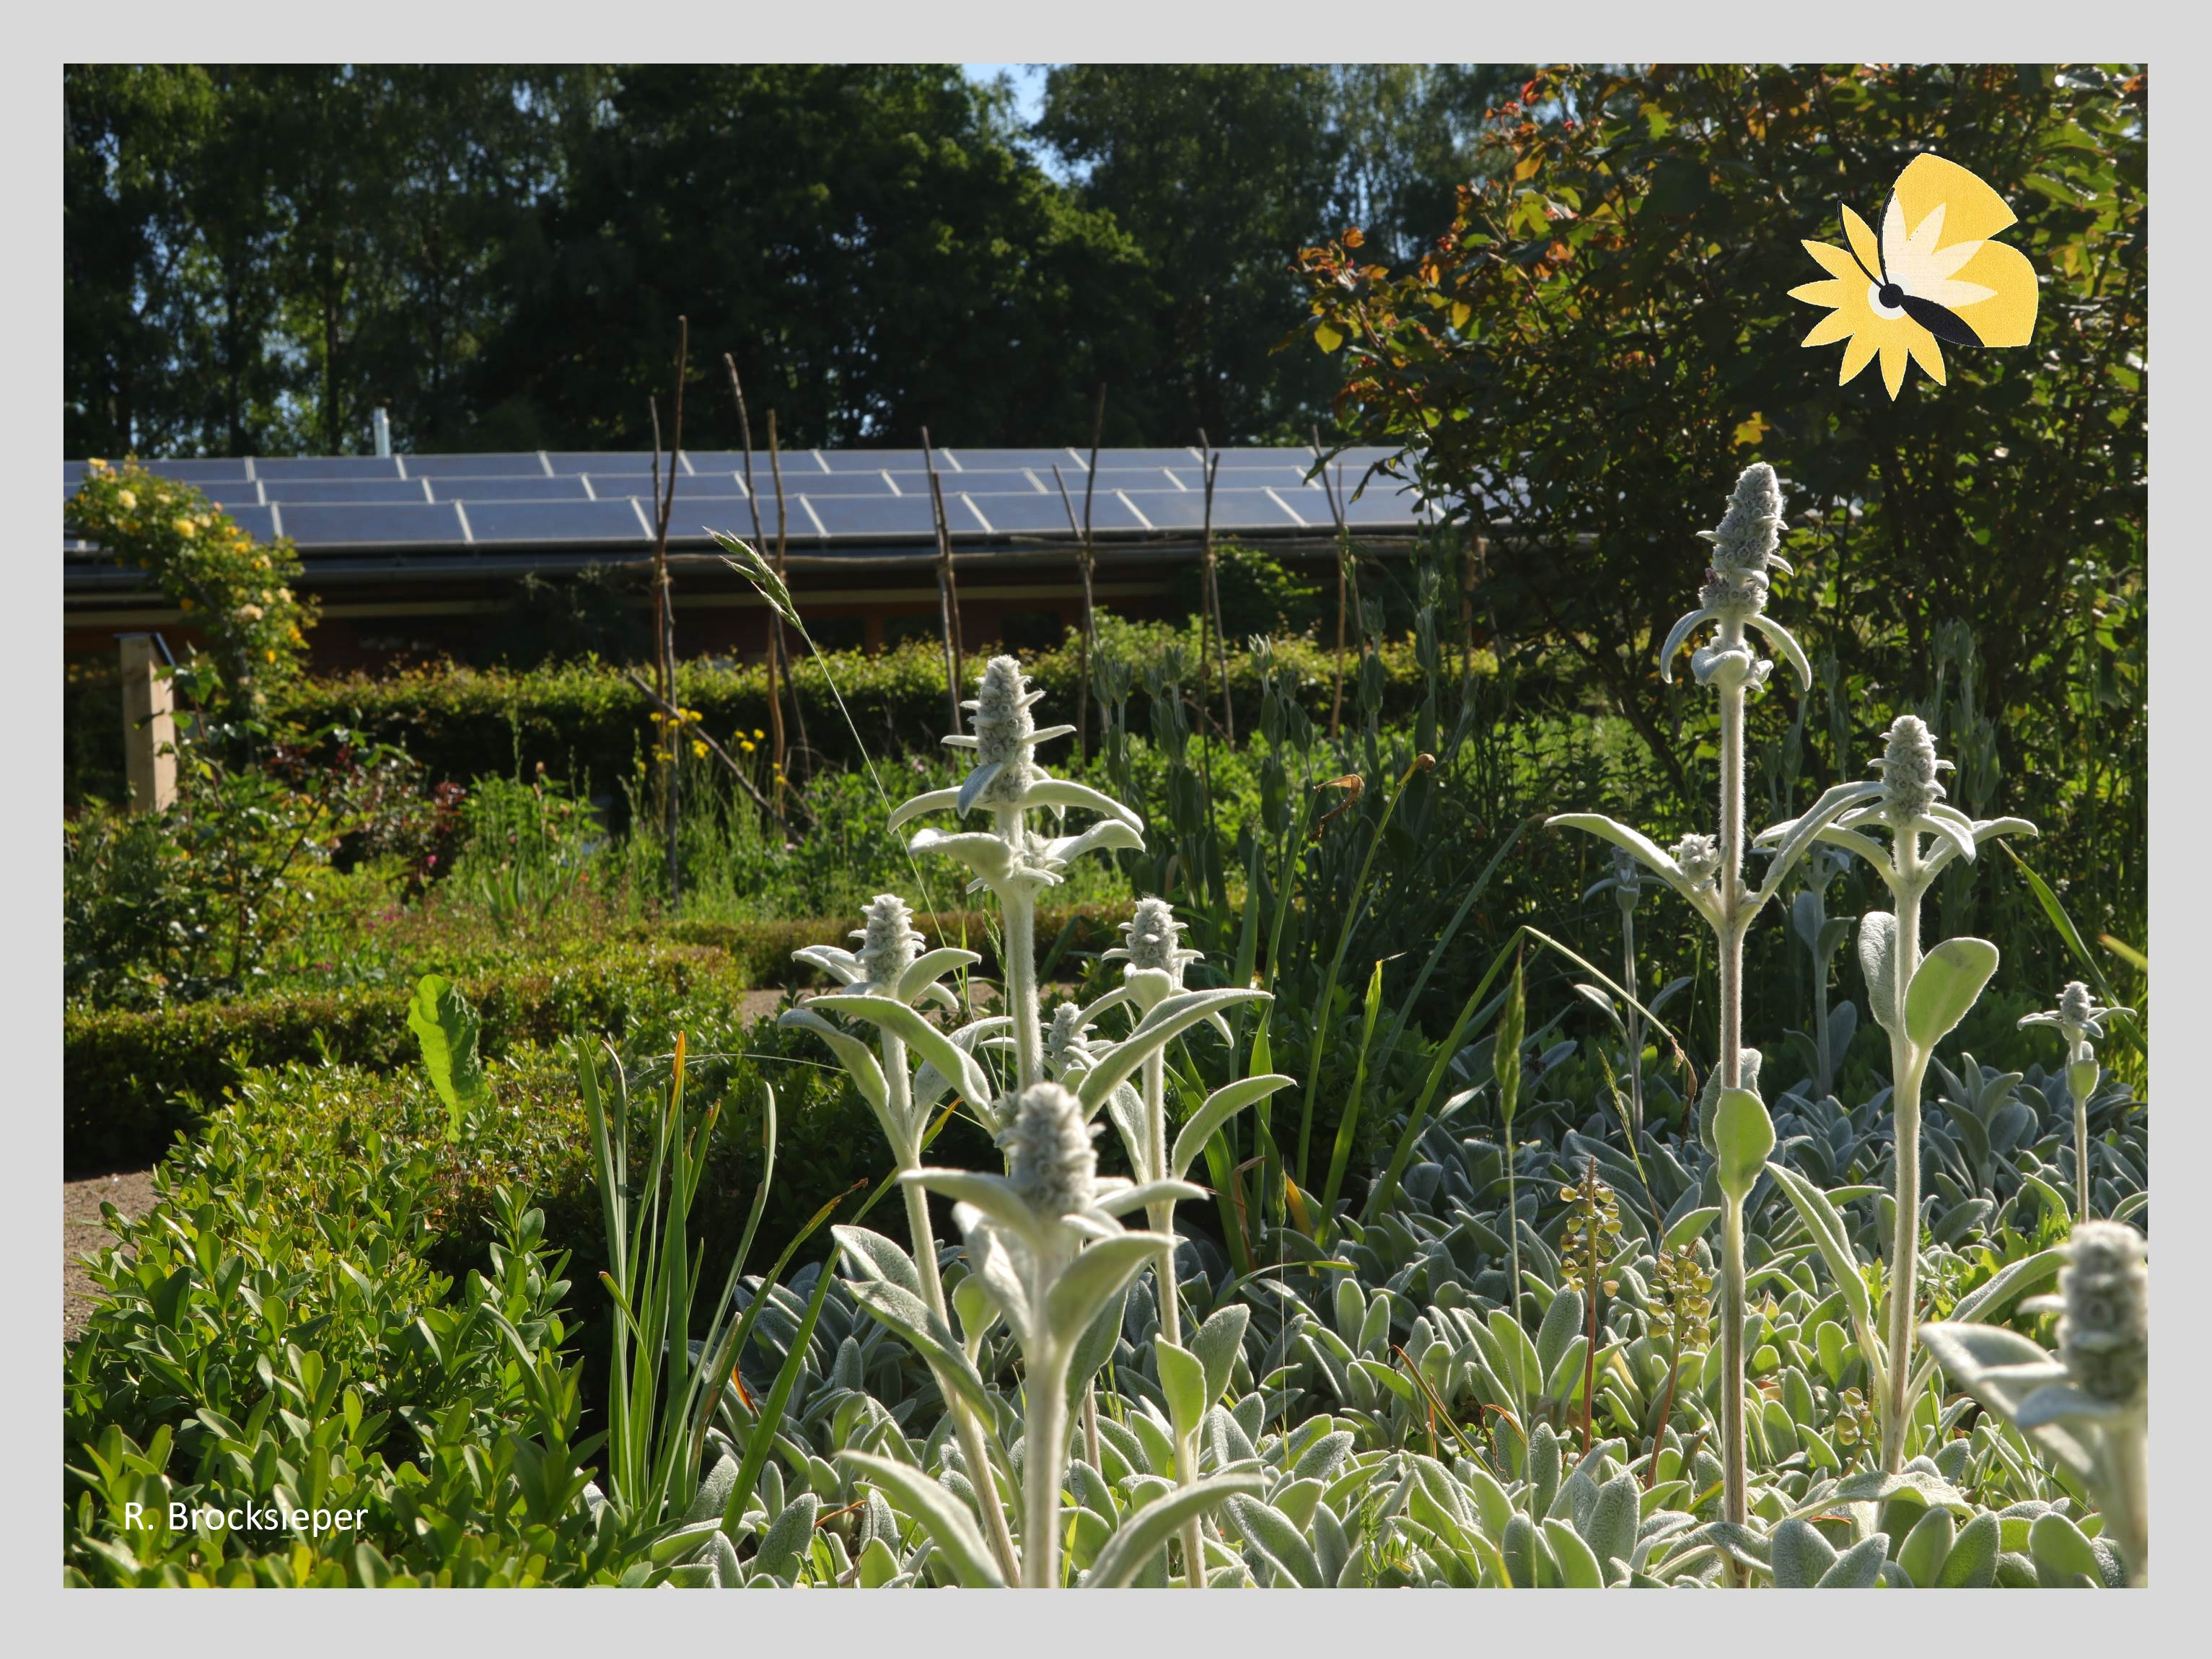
(1051, 1255)
(1154, 959)
(883, 981)
(1708, 872)
(1916, 997)
(2080, 1018)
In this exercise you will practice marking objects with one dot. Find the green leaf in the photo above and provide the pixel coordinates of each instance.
(1743, 1135)
(1183, 1380)
(1825, 1223)
(1167, 1020)
(445, 1028)
(1145, 1534)
(1103, 1268)
(1217, 1342)
(919, 1035)
(1684, 1231)
(1800, 1554)
(1221, 1105)
(1944, 986)
(952, 1528)
(1878, 961)
(1577, 1565)
(1858, 1567)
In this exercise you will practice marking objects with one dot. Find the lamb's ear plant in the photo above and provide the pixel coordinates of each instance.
(2087, 1407)
(1050, 1253)
(1707, 871)
(883, 981)
(2080, 1017)
(1010, 859)
(1917, 998)
(1154, 960)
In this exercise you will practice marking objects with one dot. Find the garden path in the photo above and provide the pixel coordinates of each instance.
(131, 1191)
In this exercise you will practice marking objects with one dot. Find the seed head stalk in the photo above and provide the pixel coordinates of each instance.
(1906, 1069)
(1735, 1497)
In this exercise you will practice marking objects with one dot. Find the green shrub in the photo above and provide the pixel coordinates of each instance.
(133, 1078)
(273, 1337)
(585, 721)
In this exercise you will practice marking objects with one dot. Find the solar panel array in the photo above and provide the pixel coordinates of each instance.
(832, 498)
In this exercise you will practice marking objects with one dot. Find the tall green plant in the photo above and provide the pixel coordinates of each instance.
(1707, 871)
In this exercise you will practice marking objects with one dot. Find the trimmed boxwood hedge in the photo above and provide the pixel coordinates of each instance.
(132, 1079)
(585, 721)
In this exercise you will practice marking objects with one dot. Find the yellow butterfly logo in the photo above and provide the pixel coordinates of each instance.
(1934, 274)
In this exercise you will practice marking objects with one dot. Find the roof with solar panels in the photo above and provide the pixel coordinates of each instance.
(848, 500)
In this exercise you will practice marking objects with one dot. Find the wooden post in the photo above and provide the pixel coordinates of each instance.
(149, 726)
(775, 657)
(664, 603)
(1090, 610)
(1343, 553)
(1209, 599)
(948, 598)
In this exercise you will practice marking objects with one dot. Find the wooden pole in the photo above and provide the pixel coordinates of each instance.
(948, 599)
(1090, 610)
(775, 656)
(1210, 594)
(1343, 552)
(664, 601)
(149, 726)
(782, 538)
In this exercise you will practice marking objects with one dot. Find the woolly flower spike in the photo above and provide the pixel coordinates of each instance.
(1067, 1040)
(1010, 859)
(891, 962)
(1751, 529)
(2104, 1334)
(1151, 946)
(2079, 1014)
(1735, 590)
(1005, 734)
(1908, 767)
(1049, 1158)
(889, 942)
(1699, 857)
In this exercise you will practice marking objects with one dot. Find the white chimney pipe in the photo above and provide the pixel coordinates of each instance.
(383, 428)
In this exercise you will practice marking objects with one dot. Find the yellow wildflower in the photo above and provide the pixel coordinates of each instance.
(125, 499)
(185, 528)
(698, 749)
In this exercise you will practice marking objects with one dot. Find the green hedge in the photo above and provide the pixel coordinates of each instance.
(583, 720)
(132, 1079)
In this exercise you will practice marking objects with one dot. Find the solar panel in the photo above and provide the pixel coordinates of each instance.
(634, 464)
(342, 489)
(1297, 455)
(1131, 478)
(326, 466)
(1382, 505)
(258, 522)
(816, 484)
(556, 521)
(986, 481)
(540, 489)
(846, 516)
(1233, 510)
(198, 471)
(856, 460)
(361, 524)
(1069, 461)
(1139, 457)
(524, 464)
(1030, 514)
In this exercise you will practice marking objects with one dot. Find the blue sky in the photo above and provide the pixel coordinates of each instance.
(1028, 82)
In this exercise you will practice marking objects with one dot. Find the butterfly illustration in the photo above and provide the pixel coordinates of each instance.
(1934, 274)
